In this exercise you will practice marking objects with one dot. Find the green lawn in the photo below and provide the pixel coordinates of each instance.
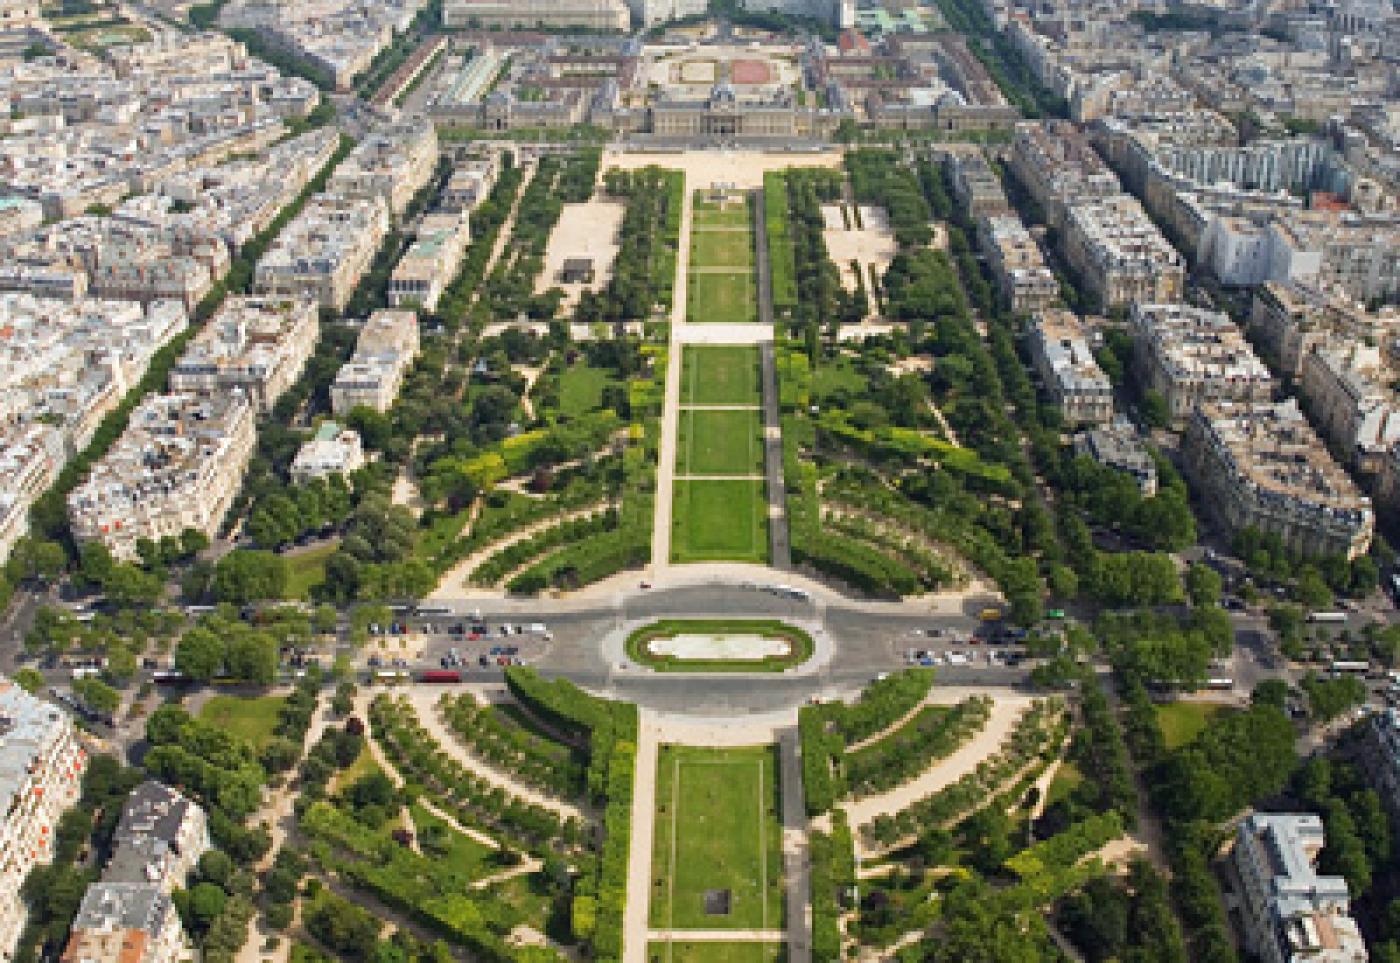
(721, 298)
(719, 375)
(719, 521)
(719, 442)
(714, 951)
(1181, 722)
(445, 843)
(307, 569)
(838, 378)
(1067, 779)
(247, 718)
(722, 247)
(705, 214)
(717, 830)
(581, 389)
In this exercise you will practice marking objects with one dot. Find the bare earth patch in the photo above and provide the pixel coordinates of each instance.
(871, 244)
(740, 168)
(584, 230)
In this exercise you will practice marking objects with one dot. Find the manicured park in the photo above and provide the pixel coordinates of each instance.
(725, 297)
(719, 375)
(719, 442)
(640, 649)
(717, 856)
(722, 247)
(719, 520)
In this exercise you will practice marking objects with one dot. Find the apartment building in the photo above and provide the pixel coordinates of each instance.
(975, 185)
(1119, 255)
(68, 364)
(1291, 320)
(543, 14)
(392, 162)
(1059, 167)
(430, 264)
(18, 214)
(161, 835)
(126, 923)
(324, 251)
(1347, 388)
(372, 377)
(256, 345)
(1289, 912)
(1194, 356)
(333, 450)
(41, 770)
(1024, 283)
(1117, 446)
(1072, 378)
(31, 456)
(1262, 466)
(470, 183)
(1380, 756)
(178, 465)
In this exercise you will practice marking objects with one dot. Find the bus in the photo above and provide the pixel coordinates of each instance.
(1220, 682)
(990, 615)
(433, 610)
(1327, 618)
(391, 676)
(1344, 667)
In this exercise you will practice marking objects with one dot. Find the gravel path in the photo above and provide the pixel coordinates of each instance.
(424, 702)
(666, 455)
(1006, 710)
(634, 920)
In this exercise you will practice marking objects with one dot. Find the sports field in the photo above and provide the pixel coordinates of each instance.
(717, 856)
(719, 442)
(714, 951)
(728, 297)
(719, 521)
(719, 375)
(721, 247)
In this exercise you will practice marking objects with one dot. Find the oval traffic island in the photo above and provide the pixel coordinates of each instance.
(719, 645)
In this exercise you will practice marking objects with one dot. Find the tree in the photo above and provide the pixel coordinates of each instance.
(1154, 409)
(1203, 585)
(247, 575)
(200, 654)
(206, 903)
(1271, 692)
(36, 560)
(97, 695)
(29, 679)
(252, 657)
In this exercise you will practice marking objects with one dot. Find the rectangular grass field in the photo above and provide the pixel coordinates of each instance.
(719, 375)
(719, 442)
(719, 520)
(721, 247)
(251, 718)
(728, 297)
(714, 951)
(717, 856)
(708, 214)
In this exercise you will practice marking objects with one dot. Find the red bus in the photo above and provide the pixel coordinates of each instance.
(440, 675)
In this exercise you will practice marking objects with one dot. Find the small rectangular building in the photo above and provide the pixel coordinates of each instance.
(372, 377)
(1072, 378)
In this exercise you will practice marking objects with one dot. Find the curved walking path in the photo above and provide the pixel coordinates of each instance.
(424, 702)
(1006, 711)
(456, 583)
(376, 752)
